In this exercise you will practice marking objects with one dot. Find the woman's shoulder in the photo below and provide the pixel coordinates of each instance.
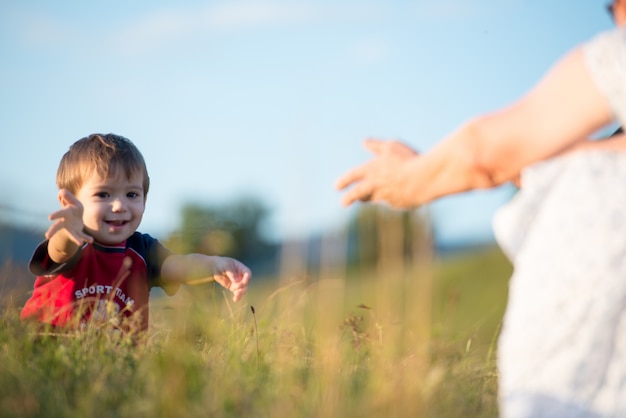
(605, 57)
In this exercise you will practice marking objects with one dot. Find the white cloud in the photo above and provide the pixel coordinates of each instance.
(42, 31)
(155, 28)
(260, 13)
(371, 50)
(461, 9)
(163, 26)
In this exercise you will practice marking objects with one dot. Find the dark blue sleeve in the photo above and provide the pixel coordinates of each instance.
(42, 265)
(155, 254)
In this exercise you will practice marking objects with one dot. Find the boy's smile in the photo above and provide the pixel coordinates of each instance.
(112, 207)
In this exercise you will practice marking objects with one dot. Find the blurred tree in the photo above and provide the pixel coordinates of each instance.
(232, 229)
(378, 232)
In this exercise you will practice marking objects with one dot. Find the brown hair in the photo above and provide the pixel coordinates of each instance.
(103, 155)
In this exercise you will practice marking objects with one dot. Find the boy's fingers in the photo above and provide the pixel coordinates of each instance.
(239, 287)
(66, 212)
(76, 240)
(80, 238)
(58, 214)
(54, 228)
(244, 275)
(243, 279)
(239, 274)
(238, 294)
(235, 279)
(236, 285)
(231, 278)
(51, 230)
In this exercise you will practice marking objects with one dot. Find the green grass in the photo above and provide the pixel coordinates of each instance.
(395, 342)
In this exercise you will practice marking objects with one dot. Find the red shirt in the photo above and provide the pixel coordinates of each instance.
(99, 283)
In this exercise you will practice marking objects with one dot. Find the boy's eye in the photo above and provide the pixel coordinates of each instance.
(102, 195)
(132, 195)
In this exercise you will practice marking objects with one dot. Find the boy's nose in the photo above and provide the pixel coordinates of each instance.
(118, 205)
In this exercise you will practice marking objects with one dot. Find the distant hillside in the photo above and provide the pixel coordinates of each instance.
(17, 244)
(16, 247)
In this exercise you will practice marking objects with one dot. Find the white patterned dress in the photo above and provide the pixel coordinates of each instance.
(562, 351)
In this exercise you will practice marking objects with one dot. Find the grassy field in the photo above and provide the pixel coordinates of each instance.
(397, 341)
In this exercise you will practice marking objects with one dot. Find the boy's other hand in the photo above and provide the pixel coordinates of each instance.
(233, 275)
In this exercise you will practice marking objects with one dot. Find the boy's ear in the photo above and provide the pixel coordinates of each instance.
(60, 197)
(66, 197)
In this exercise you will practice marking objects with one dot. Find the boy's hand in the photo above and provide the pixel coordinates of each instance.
(233, 275)
(69, 219)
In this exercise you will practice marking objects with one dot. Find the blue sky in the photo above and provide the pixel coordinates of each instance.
(270, 98)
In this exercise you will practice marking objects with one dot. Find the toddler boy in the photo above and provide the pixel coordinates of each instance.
(94, 266)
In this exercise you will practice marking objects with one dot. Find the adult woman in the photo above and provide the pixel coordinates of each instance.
(562, 351)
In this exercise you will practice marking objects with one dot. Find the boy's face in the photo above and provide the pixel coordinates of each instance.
(112, 207)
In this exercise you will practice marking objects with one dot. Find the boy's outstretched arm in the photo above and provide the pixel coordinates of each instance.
(66, 233)
(195, 269)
